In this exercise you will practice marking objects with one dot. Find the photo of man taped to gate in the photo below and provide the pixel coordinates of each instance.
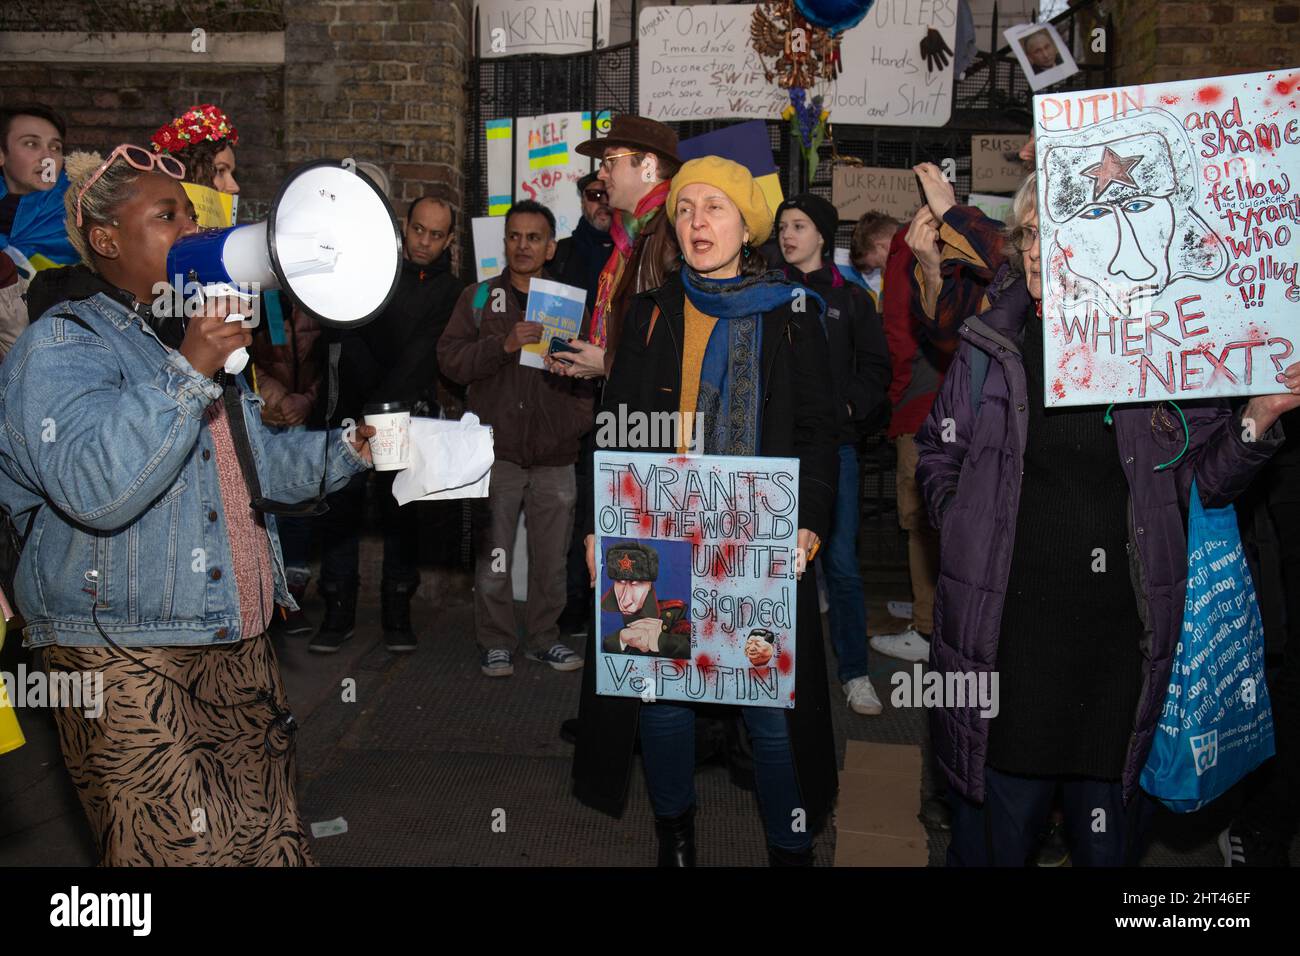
(634, 619)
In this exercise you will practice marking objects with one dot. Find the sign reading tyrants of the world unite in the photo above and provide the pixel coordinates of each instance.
(696, 560)
(1170, 225)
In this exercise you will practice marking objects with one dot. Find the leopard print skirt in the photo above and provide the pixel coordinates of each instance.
(168, 780)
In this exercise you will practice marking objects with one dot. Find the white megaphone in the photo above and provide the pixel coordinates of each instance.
(330, 243)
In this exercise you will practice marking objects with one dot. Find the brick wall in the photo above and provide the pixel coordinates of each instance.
(371, 79)
(105, 106)
(380, 81)
(1186, 39)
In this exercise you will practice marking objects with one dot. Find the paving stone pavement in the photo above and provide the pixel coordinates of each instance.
(430, 754)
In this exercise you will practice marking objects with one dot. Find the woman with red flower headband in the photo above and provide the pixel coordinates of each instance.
(204, 139)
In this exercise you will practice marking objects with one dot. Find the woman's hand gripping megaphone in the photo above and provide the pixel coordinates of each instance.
(216, 336)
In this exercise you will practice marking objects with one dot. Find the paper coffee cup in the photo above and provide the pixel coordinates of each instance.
(390, 445)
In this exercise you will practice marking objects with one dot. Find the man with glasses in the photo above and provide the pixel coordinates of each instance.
(638, 159)
(392, 359)
(578, 261)
(538, 420)
(580, 257)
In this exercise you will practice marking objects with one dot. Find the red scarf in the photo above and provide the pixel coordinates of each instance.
(624, 230)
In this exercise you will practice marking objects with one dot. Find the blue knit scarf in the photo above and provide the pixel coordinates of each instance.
(731, 390)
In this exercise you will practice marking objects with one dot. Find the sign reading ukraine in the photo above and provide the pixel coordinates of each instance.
(696, 560)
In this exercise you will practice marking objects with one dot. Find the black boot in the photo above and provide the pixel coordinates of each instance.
(676, 839)
(778, 857)
(396, 614)
(295, 622)
(340, 618)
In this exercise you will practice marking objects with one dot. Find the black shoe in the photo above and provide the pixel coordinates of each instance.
(573, 622)
(569, 730)
(1053, 851)
(396, 614)
(676, 839)
(935, 814)
(1242, 846)
(295, 623)
(779, 857)
(340, 619)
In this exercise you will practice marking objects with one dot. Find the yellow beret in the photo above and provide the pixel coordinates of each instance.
(736, 184)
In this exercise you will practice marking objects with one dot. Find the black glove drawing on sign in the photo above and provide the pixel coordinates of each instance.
(935, 51)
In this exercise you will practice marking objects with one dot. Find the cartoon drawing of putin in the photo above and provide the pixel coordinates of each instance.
(634, 620)
(1122, 198)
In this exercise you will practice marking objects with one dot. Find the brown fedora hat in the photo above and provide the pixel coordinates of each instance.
(645, 135)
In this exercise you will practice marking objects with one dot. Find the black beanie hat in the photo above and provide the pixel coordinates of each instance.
(824, 216)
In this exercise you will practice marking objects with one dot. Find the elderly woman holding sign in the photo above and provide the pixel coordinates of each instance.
(1062, 572)
(726, 339)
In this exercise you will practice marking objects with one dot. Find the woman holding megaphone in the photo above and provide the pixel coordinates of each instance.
(144, 492)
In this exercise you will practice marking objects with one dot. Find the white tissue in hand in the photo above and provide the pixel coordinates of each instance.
(449, 459)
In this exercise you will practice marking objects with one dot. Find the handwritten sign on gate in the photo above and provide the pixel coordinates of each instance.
(696, 561)
(859, 189)
(1170, 223)
(698, 62)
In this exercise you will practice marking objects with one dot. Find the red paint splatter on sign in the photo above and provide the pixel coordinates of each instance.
(1208, 94)
(784, 662)
(1169, 99)
(704, 662)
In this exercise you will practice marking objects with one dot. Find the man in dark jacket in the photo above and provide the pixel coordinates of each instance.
(538, 420)
(578, 262)
(580, 257)
(860, 375)
(392, 359)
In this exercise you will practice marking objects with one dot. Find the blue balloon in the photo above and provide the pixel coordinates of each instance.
(835, 15)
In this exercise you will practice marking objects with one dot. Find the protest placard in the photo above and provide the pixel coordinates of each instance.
(1168, 215)
(216, 210)
(489, 234)
(554, 27)
(990, 169)
(995, 207)
(547, 165)
(696, 560)
(859, 189)
(698, 62)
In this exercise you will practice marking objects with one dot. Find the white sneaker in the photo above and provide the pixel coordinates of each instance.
(862, 696)
(907, 646)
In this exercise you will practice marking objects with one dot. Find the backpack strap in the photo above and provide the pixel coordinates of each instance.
(480, 300)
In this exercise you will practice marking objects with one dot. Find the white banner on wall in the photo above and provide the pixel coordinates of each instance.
(557, 27)
(698, 63)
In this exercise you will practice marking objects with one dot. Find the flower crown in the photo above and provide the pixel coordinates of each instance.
(195, 125)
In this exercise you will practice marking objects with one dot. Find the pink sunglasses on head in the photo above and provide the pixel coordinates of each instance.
(141, 159)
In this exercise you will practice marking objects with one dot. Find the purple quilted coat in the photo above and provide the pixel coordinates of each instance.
(972, 490)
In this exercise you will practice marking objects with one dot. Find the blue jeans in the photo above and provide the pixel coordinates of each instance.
(848, 607)
(1100, 830)
(668, 749)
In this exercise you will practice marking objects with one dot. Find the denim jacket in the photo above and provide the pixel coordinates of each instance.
(105, 449)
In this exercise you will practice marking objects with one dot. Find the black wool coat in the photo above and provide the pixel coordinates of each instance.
(799, 421)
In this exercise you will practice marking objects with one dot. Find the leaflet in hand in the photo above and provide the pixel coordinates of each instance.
(559, 308)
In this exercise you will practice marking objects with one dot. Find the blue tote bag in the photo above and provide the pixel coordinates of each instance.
(1217, 725)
